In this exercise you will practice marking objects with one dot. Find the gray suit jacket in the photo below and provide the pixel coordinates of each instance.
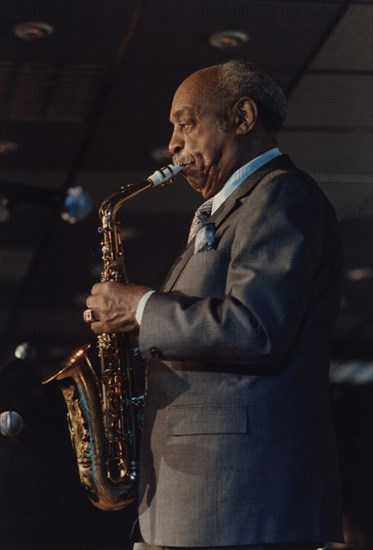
(238, 445)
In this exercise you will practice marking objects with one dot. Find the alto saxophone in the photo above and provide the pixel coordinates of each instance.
(104, 410)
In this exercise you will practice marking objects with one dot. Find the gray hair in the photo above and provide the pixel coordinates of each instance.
(238, 78)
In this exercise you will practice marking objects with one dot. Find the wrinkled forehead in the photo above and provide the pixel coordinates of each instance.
(196, 94)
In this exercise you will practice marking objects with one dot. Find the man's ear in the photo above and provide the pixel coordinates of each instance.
(246, 115)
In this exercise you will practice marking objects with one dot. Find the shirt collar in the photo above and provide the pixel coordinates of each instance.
(241, 174)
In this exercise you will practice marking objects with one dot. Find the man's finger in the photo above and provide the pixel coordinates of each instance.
(97, 328)
(96, 289)
(91, 302)
(100, 328)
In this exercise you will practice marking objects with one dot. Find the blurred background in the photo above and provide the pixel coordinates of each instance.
(85, 91)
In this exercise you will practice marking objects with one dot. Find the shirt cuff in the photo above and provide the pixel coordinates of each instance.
(141, 305)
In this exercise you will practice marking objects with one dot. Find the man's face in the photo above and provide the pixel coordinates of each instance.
(201, 137)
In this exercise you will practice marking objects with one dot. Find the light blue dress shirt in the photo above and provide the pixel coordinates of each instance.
(241, 174)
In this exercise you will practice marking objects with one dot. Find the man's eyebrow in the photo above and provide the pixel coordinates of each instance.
(183, 111)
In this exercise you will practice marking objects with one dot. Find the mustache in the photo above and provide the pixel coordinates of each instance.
(182, 160)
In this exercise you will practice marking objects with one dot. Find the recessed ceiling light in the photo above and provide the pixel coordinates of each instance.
(35, 30)
(7, 147)
(225, 40)
(359, 274)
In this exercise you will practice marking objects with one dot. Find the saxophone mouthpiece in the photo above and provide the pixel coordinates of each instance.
(165, 174)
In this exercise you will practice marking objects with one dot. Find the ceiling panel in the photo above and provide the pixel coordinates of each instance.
(351, 196)
(329, 151)
(327, 100)
(49, 144)
(273, 27)
(85, 32)
(48, 92)
(350, 46)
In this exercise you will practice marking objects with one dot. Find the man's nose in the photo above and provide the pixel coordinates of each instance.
(176, 144)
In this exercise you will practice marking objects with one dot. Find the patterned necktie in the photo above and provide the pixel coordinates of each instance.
(202, 213)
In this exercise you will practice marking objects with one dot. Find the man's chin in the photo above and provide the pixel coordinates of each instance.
(196, 182)
(201, 183)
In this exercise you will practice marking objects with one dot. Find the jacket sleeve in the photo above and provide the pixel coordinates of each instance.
(275, 257)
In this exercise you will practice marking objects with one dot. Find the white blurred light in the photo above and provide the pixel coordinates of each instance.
(160, 154)
(359, 274)
(7, 147)
(77, 205)
(11, 423)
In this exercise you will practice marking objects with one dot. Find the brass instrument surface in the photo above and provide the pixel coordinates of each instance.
(105, 408)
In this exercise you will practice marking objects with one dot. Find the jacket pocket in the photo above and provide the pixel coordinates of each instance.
(207, 418)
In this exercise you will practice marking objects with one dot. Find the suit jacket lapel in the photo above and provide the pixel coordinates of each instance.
(244, 189)
(177, 267)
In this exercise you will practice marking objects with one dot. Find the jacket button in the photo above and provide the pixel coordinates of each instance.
(155, 353)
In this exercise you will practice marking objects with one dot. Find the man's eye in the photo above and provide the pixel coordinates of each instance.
(183, 126)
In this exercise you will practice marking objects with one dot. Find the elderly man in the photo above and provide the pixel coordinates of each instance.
(238, 446)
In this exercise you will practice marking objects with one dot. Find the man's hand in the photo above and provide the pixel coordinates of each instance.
(113, 306)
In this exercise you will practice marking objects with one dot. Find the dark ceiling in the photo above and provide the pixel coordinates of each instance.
(88, 104)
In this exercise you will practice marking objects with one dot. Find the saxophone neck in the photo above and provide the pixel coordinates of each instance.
(112, 203)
